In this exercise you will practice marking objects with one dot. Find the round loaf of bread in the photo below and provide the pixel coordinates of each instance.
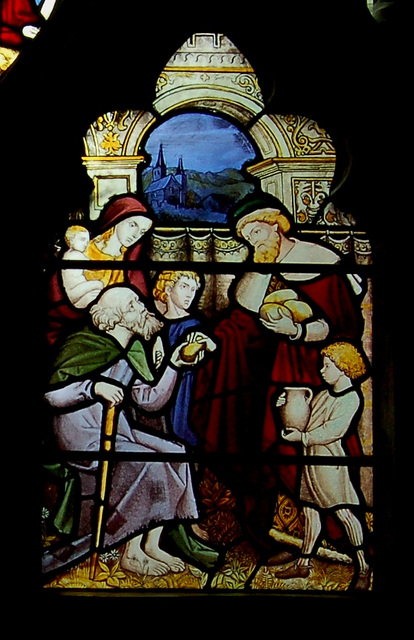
(189, 352)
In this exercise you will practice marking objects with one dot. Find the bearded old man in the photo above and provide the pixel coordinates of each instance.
(233, 408)
(102, 367)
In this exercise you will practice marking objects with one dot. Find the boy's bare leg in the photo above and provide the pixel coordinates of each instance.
(312, 531)
(301, 568)
(355, 534)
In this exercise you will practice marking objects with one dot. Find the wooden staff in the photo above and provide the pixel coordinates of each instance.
(103, 490)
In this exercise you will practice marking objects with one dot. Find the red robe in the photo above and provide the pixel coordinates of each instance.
(250, 357)
(16, 14)
(233, 408)
(61, 313)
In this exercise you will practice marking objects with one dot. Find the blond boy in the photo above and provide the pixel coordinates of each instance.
(329, 486)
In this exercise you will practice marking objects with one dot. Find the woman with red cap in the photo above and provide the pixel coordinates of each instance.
(123, 223)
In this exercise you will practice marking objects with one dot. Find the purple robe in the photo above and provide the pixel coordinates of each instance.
(142, 493)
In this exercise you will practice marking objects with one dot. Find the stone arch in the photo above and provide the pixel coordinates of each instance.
(209, 73)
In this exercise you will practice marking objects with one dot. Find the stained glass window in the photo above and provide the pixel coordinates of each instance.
(21, 21)
(208, 394)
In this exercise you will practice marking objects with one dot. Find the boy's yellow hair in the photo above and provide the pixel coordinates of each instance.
(347, 358)
(169, 278)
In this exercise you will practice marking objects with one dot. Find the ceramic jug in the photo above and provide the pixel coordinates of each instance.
(295, 411)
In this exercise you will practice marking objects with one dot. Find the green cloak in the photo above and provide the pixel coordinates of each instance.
(85, 352)
(82, 353)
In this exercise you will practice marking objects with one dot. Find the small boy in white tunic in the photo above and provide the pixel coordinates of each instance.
(330, 486)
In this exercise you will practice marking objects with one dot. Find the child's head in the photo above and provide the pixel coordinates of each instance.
(346, 358)
(77, 237)
(180, 287)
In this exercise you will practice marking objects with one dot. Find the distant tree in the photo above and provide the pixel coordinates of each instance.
(193, 200)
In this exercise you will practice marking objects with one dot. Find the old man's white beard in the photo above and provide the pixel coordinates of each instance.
(267, 253)
(147, 328)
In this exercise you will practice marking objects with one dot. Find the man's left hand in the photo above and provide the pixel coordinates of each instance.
(193, 350)
(284, 325)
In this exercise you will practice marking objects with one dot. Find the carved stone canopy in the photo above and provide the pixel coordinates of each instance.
(209, 73)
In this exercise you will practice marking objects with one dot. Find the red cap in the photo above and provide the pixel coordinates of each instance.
(120, 209)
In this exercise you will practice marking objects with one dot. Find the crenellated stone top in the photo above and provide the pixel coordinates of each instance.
(208, 51)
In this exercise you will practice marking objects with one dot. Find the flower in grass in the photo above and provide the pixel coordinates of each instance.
(45, 514)
(111, 575)
(113, 555)
(105, 557)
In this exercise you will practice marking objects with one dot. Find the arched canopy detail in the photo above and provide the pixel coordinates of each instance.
(208, 73)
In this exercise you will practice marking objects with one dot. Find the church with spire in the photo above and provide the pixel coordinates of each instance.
(166, 187)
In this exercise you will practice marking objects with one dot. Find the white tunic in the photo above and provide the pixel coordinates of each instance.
(328, 485)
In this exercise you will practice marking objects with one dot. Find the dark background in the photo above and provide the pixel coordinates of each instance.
(331, 61)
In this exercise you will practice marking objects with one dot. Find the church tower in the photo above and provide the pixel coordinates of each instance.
(180, 168)
(160, 169)
(181, 178)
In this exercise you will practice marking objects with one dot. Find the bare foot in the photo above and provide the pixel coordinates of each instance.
(175, 564)
(144, 566)
(201, 533)
(153, 549)
(136, 560)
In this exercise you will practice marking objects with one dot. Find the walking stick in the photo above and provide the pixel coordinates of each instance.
(103, 490)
